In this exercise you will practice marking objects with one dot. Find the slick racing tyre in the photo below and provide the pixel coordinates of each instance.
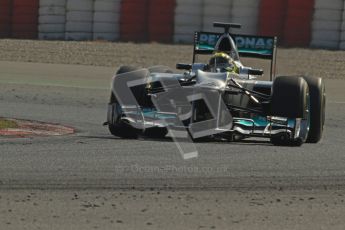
(290, 99)
(123, 130)
(126, 69)
(156, 132)
(117, 126)
(318, 107)
(138, 91)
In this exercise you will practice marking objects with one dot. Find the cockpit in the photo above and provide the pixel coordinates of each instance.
(227, 45)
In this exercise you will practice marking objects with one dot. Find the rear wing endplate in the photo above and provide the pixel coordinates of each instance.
(262, 47)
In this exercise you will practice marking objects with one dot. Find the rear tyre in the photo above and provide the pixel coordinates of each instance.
(318, 107)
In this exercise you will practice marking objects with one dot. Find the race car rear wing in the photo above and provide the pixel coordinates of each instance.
(262, 47)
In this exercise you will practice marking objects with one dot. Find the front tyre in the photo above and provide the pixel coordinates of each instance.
(318, 107)
(123, 130)
(290, 99)
(156, 132)
(117, 126)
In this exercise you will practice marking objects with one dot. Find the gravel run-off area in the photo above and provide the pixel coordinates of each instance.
(291, 61)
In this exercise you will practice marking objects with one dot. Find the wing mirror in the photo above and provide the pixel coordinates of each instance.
(183, 66)
(255, 72)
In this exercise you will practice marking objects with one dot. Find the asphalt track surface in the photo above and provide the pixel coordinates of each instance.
(92, 180)
(76, 95)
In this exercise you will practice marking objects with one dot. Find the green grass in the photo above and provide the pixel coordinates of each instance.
(6, 124)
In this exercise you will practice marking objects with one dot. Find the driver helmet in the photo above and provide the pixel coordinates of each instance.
(221, 62)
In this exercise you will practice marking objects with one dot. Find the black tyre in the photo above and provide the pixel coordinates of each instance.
(156, 132)
(318, 107)
(123, 130)
(289, 97)
(126, 69)
(138, 91)
(119, 127)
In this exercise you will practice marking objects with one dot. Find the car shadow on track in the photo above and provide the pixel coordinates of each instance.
(246, 142)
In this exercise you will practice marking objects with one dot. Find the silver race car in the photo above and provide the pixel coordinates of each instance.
(221, 98)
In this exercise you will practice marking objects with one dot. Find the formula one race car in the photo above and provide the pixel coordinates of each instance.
(218, 99)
